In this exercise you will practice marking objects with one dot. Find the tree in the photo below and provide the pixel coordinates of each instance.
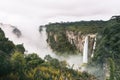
(5, 66)
(18, 64)
(112, 68)
(33, 60)
(20, 48)
(2, 35)
(117, 18)
(8, 46)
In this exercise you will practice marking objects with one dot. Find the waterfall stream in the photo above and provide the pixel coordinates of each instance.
(94, 45)
(85, 50)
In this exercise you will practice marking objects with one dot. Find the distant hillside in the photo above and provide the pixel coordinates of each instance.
(107, 52)
(108, 48)
(68, 37)
(84, 26)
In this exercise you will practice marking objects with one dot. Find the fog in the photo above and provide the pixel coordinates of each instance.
(35, 42)
(32, 13)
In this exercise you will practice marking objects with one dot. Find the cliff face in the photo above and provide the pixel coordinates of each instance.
(75, 39)
(78, 40)
(59, 43)
(70, 36)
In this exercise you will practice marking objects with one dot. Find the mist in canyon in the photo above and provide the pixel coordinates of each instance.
(35, 42)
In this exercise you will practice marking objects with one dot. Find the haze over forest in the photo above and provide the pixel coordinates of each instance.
(59, 40)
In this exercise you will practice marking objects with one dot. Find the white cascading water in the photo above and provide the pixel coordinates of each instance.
(85, 51)
(94, 45)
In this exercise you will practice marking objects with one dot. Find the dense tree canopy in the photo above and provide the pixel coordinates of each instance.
(108, 49)
(57, 36)
(15, 65)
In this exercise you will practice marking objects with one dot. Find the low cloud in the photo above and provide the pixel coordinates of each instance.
(25, 12)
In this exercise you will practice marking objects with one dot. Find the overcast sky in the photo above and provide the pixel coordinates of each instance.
(36, 12)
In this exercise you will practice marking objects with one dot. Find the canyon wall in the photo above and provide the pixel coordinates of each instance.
(75, 39)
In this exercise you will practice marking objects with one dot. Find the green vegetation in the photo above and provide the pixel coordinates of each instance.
(83, 26)
(112, 68)
(108, 48)
(15, 65)
(108, 40)
(58, 40)
(62, 45)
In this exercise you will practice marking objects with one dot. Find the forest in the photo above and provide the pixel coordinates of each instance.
(16, 65)
(108, 40)
(57, 36)
(108, 49)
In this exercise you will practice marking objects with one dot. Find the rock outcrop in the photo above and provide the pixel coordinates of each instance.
(76, 39)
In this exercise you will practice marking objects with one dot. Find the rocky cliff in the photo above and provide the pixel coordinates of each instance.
(69, 37)
(78, 39)
(75, 39)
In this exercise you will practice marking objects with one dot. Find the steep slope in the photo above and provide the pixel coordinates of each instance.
(35, 42)
(108, 49)
(15, 65)
(68, 38)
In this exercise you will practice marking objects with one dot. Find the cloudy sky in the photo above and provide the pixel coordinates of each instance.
(36, 12)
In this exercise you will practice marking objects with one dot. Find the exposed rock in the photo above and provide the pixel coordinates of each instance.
(78, 40)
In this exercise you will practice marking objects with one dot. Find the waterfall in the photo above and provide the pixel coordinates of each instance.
(85, 50)
(94, 47)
